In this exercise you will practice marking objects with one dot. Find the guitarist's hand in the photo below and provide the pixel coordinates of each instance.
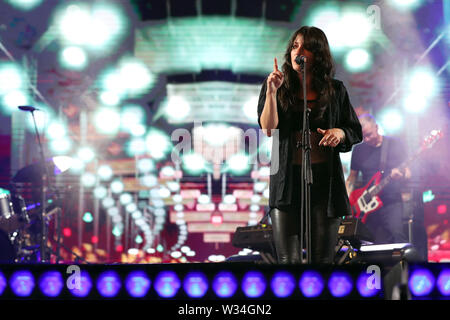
(398, 174)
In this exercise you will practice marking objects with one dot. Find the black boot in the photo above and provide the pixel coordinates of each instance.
(285, 235)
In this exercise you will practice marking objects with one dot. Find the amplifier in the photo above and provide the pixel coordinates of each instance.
(257, 238)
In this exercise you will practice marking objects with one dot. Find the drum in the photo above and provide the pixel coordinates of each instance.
(20, 209)
(7, 251)
(6, 206)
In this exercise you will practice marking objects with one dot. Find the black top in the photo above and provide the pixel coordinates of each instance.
(367, 159)
(339, 114)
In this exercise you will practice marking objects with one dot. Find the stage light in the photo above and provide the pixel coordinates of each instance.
(125, 198)
(87, 217)
(311, 284)
(109, 98)
(195, 284)
(145, 165)
(107, 121)
(137, 284)
(253, 284)
(216, 134)
(56, 129)
(421, 282)
(13, 99)
(405, 5)
(117, 186)
(60, 145)
(250, 109)
(356, 25)
(328, 19)
(204, 199)
(131, 116)
(441, 209)
(11, 78)
(99, 26)
(138, 238)
(238, 164)
(83, 287)
(22, 283)
(88, 179)
(194, 163)
(67, 232)
(282, 284)
(25, 5)
(428, 196)
(358, 60)
(136, 146)
(74, 58)
(224, 284)
(443, 282)
(391, 120)
(138, 130)
(131, 207)
(173, 186)
(340, 284)
(86, 154)
(167, 284)
(117, 231)
(105, 172)
(3, 283)
(422, 80)
(108, 202)
(135, 76)
(108, 284)
(177, 108)
(363, 287)
(158, 144)
(51, 283)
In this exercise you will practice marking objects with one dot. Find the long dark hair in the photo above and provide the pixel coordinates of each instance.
(322, 70)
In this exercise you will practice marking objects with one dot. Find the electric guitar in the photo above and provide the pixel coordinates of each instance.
(365, 201)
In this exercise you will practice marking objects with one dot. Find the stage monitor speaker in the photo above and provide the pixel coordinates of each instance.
(354, 231)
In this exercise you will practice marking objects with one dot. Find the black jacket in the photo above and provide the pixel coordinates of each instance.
(339, 114)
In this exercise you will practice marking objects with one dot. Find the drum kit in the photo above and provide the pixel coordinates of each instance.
(16, 232)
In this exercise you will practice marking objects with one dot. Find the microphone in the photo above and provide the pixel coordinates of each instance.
(28, 108)
(300, 60)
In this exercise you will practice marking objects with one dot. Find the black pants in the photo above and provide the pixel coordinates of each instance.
(286, 222)
(386, 224)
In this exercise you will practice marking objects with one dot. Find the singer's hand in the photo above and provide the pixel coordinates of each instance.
(275, 79)
(331, 137)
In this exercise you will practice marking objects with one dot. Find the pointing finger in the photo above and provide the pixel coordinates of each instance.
(275, 64)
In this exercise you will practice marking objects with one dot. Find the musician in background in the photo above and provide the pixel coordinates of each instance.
(386, 154)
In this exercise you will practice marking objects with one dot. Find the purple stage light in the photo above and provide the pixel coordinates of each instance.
(340, 284)
(443, 282)
(137, 284)
(421, 282)
(253, 284)
(195, 284)
(311, 284)
(83, 287)
(22, 283)
(108, 284)
(3, 283)
(51, 283)
(224, 284)
(283, 284)
(365, 287)
(167, 284)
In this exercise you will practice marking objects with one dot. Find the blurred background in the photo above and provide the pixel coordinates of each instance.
(147, 114)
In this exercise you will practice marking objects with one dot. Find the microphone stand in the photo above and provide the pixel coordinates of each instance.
(45, 176)
(306, 176)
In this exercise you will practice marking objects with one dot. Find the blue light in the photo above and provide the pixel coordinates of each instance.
(22, 283)
(283, 284)
(340, 284)
(137, 284)
(421, 282)
(224, 284)
(2, 283)
(311, 284)
(85, 286)
(108, 284)
(51, 283)
(195, 284)
(364, 286)
(167, 284)
(253, 284)
(443, 282)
